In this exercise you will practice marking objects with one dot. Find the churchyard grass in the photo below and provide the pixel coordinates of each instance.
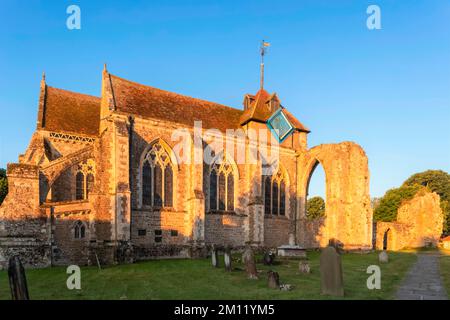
(197, 279)
(445, 268)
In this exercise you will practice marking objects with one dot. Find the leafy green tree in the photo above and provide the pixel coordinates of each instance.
(3, 185)
(315, 207)
(391, 201)
(437, 181)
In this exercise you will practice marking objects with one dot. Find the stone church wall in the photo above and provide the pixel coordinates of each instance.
(225, 229)
(66, 249)
(276, 231)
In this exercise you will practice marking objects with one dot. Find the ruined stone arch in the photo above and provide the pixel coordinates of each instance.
(173, 162)
(348, 212)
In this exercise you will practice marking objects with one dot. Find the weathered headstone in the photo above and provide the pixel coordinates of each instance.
(248, 258)
(214, 257)
(269, 257)
(227, 258)
(286, 287)
(337, 245)
(273, 280)
(331, 278)
(17, 279)
(383, 257)
(303, 267)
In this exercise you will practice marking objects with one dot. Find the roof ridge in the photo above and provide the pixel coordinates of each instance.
(75, 93)
(175, 93)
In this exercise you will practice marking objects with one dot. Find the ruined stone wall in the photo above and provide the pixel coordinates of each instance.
(419, 223)
(425, 215)
(313, 232)
(348, 211)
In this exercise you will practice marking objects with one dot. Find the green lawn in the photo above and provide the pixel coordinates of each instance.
(445, 269)
(196, 279)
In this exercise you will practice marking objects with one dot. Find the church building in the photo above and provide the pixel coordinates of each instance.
(103, 180)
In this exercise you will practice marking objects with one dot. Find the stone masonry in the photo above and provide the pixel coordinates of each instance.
(101, 180)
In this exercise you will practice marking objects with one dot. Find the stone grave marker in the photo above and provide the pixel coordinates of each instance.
(17, 279)
(248, 258)
(331, 278)
(227, 259)
(383, 257)
(214, 257)
(273, 279)
(269, 257)
(303, 267)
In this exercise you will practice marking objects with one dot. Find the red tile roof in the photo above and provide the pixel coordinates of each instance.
(258, 109)
(134, 98)
(66, 111)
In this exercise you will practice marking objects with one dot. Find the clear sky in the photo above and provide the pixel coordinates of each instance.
(388, 89)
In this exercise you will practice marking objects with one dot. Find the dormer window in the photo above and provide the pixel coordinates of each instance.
(248, 100)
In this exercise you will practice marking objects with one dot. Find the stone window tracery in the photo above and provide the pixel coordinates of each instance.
(79, 230)
(274, 191)
(84, 179)
(221, 187)
(157, 178)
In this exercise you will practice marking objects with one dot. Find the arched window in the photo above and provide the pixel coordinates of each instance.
(221, 187)
(157, 178)
(274, 191)
(79, 192)
(89, 184)
(84, 179)
(79, 230)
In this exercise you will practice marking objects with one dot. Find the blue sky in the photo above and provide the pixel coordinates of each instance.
(388, 89)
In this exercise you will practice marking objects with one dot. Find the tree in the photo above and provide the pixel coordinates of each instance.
(315, 208)
(391, 201)
(3, 185)
(437, 181)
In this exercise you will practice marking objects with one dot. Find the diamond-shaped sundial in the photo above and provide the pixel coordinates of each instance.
(279, 125)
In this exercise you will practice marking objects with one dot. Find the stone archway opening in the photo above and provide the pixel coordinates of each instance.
(386, 238)
(316, 193)
(348, 217)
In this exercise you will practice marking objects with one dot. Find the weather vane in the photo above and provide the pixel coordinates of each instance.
(263, 50)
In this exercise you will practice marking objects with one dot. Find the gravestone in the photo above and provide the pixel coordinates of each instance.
(248, 258)
(17, 279)
(331, 279)
(337, 245)
(383, 257)
(227, 258)
(269, 257)
(303, 267)
(273, 280)
(214, 257)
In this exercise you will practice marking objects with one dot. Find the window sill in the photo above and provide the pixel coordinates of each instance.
(151, 208)
(223, 212)
(272, 216)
